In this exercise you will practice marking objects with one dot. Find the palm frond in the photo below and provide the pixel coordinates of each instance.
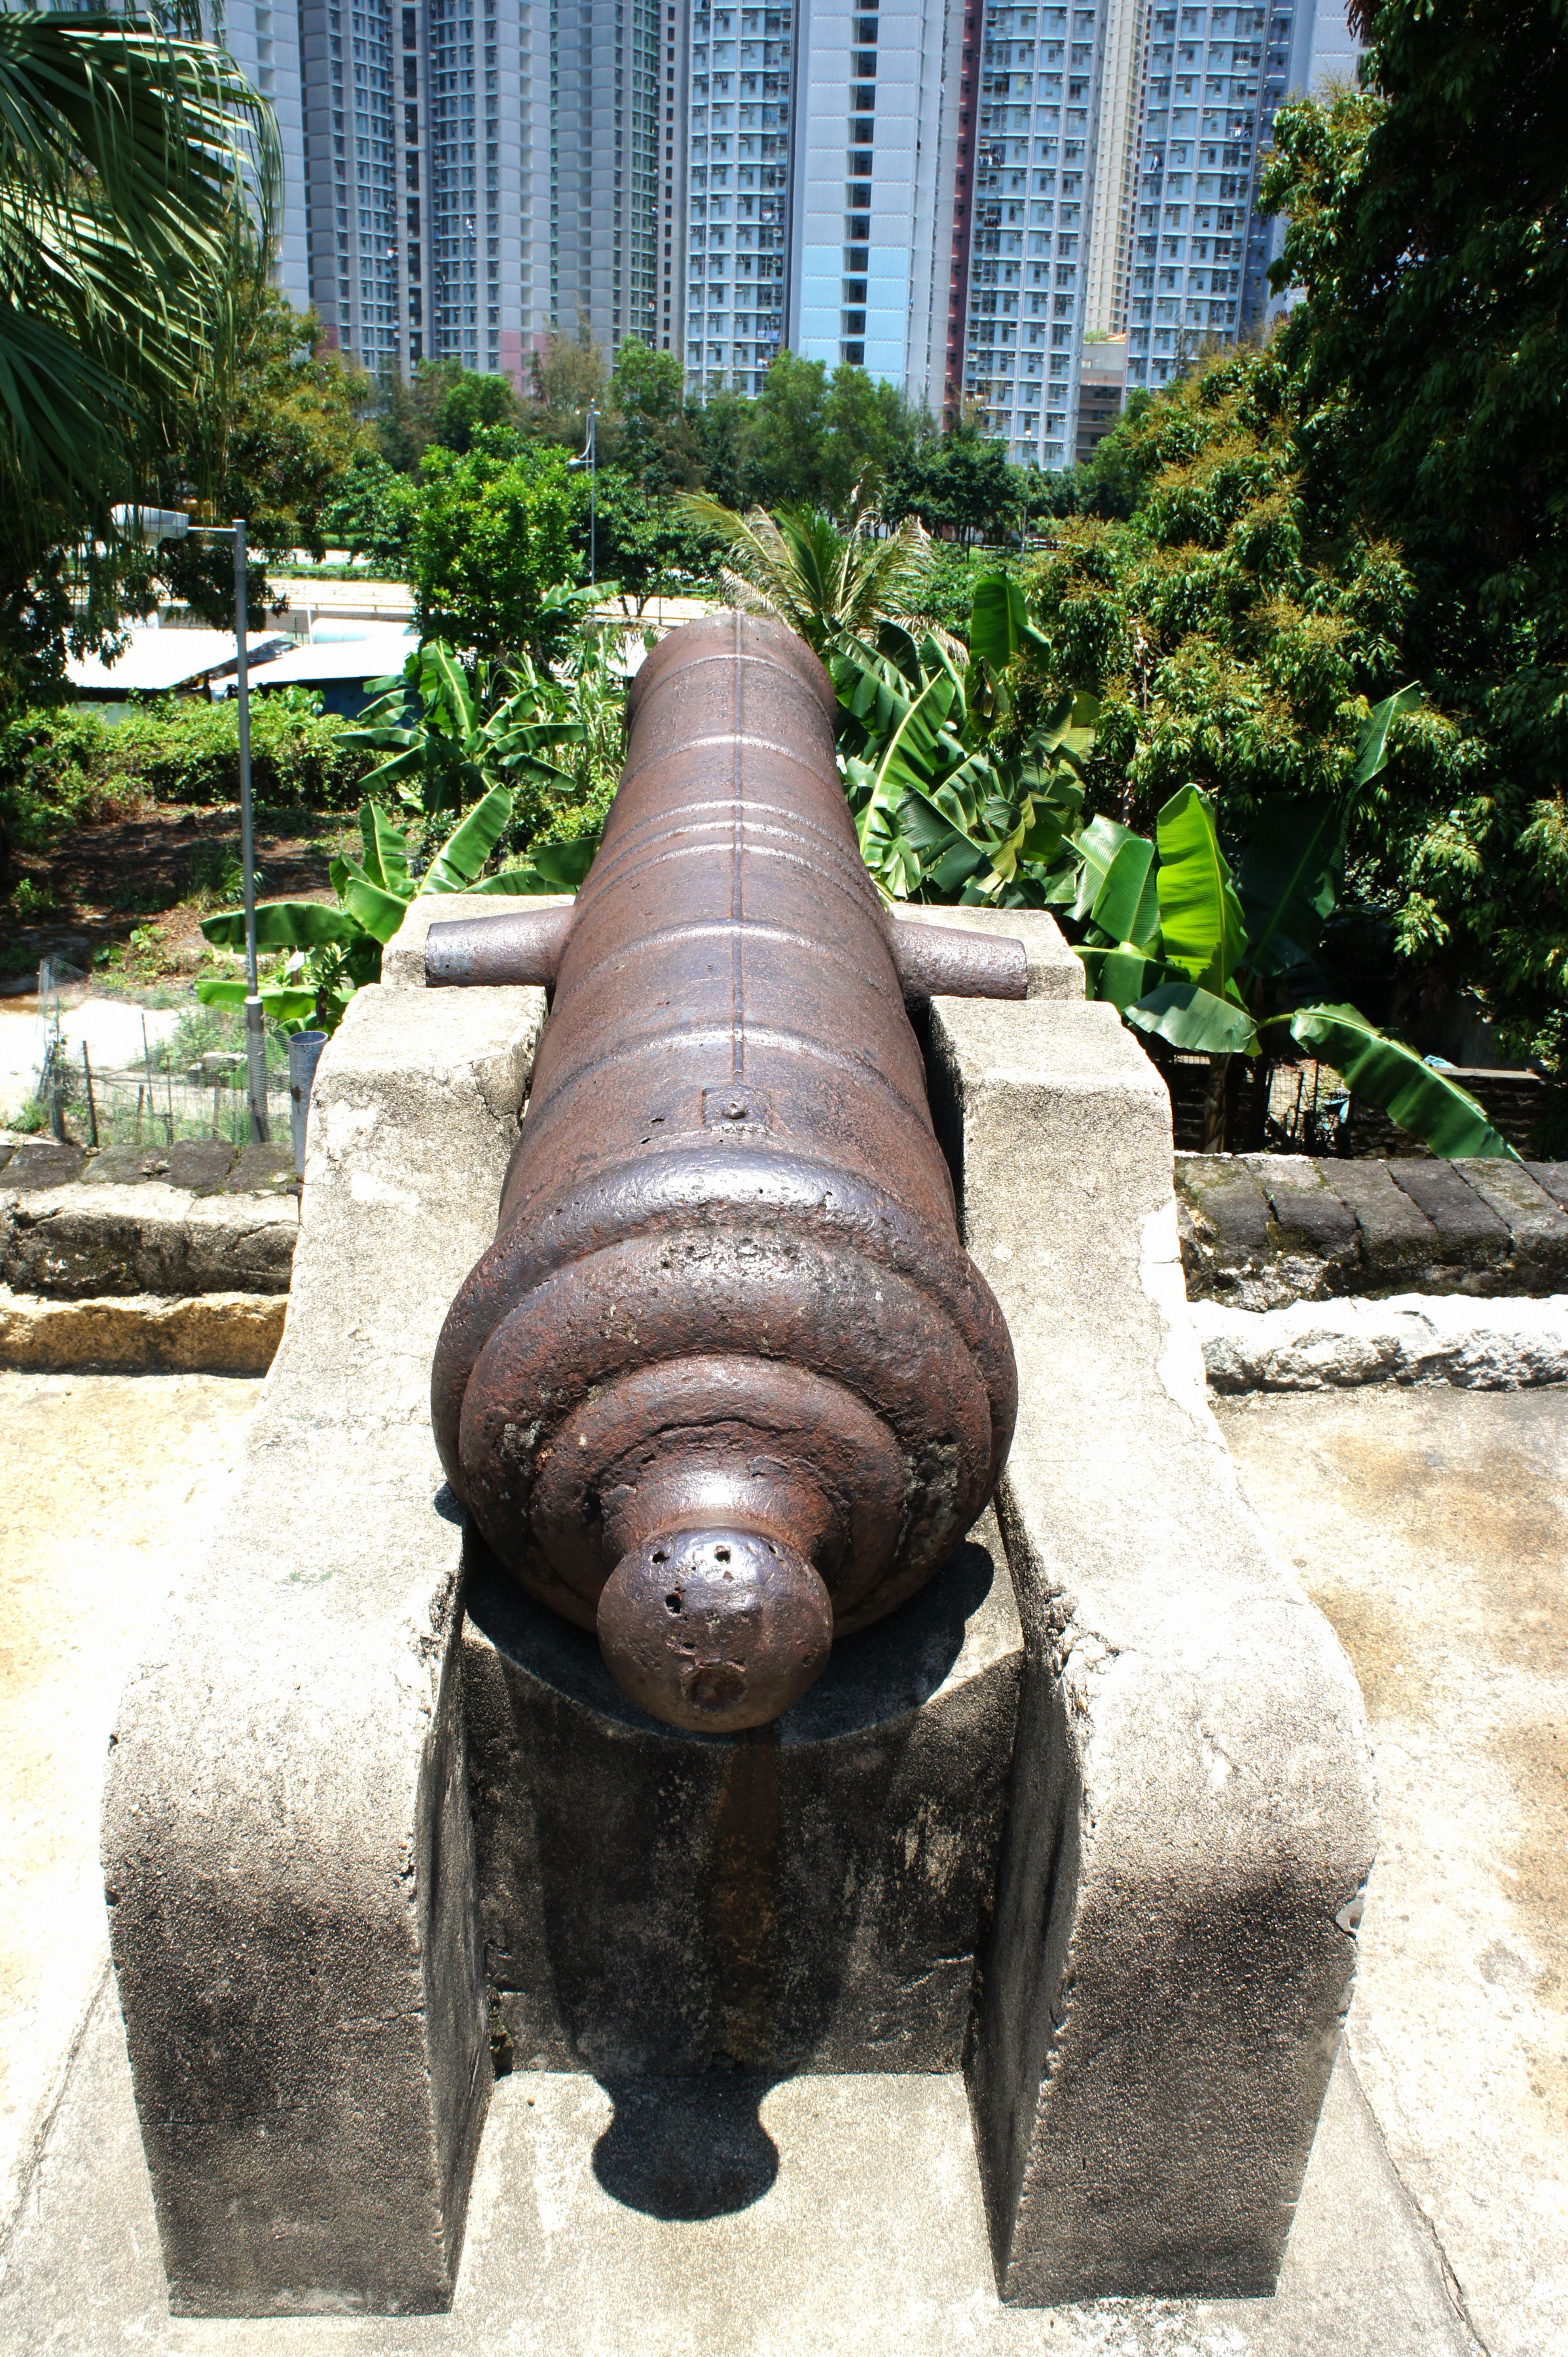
(136, 170)
(824, 583)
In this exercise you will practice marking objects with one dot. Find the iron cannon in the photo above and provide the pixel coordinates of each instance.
(726, 1384)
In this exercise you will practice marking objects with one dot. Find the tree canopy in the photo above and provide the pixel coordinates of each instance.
(491, 539)
(1428, 237)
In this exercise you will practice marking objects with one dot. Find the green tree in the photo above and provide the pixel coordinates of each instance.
(1429, 238)
(719, 424)
(656, 446)
(567, 375)
(783, 439)
(823, 583)
(271, 435)
(372, 513)
(646, 544)
(492, 540)
(960, 482)
(445, 402)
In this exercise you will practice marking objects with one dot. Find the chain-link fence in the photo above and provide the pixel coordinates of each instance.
(189, 1081)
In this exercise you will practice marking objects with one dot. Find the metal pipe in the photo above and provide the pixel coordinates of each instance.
(725, 1386)
(255, 1034)
(304, 1055)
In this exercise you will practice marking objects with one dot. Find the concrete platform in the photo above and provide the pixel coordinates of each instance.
(850, 2222)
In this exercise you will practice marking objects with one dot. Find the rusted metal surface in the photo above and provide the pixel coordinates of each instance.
(727, 1346)
(525, 946)
(945, 962)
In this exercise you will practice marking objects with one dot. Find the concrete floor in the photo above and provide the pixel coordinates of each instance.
(1430, 1525)
(104, 1482)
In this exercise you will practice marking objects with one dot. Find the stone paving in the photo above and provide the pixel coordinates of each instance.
(1259, 1230)
(145, 1257)
(1431, 1528)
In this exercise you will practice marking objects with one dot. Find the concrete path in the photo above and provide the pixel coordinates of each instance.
(104, 1482)
(1430, 1525)
(1433, 1529)
(112, 1029)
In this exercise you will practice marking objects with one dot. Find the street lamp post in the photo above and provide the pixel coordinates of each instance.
(589, 458)
(255, 1035)
(172, 523)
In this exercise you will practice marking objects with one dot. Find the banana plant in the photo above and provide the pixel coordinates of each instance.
(1186, 955)
(335, 950)
(940, 810)
(447, 753)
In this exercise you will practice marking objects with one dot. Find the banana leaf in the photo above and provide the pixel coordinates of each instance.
(1372, 750)
(282, 925)
(518, 880)
(1192, 1018)
(377, 910)
(999, 622)
(1202, 928)
(565, 865)
(1119, 975)
(1127, 904)
(386, 850)
(1288, 879)
(1432, 1107)
(468, 847)
(281, 1003)
(1097, 846)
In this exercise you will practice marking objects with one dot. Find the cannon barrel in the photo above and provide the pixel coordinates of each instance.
(726, 1384)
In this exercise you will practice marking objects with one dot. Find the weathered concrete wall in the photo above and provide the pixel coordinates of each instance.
(294, 1893)
(194, 1218)
(1193, 1812)
(289, 1848)
(807, 1897)
(142, 1333)
(1507, 1345)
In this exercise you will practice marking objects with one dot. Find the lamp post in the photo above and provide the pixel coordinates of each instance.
(589, 458)
(173, 524)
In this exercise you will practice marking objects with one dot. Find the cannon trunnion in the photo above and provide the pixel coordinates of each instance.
(726, 1384)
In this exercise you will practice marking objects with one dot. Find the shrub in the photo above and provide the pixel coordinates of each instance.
(65, 766)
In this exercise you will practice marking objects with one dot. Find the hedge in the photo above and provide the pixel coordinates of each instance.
(72, 763)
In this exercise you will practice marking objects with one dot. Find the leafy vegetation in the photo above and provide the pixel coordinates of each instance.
(959, 795)
(332, 951)
(1429, 236)
(62, 766)
(823, 583)
(491, 546)
(129, 161)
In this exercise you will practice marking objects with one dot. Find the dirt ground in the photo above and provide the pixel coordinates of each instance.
(155, 875)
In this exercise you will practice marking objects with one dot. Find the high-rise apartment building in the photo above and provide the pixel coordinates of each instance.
(263, 41)
(1215, 76)
(669, 165)
(1115, 166)
(606, 170)
(1041, 77)
(953, 194)
(347, 53)
(875, 157)
(741, 65)
(483, 171)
